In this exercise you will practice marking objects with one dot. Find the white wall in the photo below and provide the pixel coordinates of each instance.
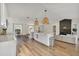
(17, 21)
(55, 12)
(18, 13)
(62, 11)
(58, 11)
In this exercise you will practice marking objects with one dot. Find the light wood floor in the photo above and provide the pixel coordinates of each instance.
(28, 47)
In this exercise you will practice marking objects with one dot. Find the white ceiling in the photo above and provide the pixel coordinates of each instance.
(23, 10)
(56, 11)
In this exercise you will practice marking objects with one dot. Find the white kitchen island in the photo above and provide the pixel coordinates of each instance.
(46, 39)
(7, 45)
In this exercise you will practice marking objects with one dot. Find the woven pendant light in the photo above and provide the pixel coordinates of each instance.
(45, 20)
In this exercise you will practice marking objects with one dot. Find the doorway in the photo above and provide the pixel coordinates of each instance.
(17, 29)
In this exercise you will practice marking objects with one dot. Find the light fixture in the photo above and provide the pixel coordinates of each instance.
(45, 20)
(36, 21)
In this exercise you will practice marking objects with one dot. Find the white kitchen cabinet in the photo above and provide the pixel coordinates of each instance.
(7, 45)
(67, 38)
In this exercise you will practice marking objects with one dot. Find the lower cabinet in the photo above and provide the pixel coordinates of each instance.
(44, 39)
(65, 38)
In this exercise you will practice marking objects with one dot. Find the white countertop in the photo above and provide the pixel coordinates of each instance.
(8, 37)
